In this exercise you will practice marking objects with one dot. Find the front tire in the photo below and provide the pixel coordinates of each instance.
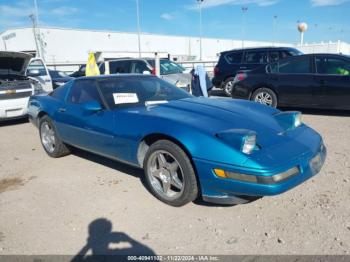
(228, 86)
(169, 174)
(265, 96)
(50, 141)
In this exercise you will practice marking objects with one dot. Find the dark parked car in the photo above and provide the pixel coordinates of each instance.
(59, 78)
(230, 62)
(314, 80)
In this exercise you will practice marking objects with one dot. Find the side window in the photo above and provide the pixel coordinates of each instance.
(84, 91)
(295, 66)
(255, 57)
(37, 64)
(234, 58)
(273, 56)
(138, 67)
(284, 54)
(119, 67)
(332, 66)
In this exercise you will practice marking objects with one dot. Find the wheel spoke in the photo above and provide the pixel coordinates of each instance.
(166, 186)
(156, 173)
(161, 160)
(173, 167)
(176, 182)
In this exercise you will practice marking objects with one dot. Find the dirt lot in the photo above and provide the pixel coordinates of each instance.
(47, 205)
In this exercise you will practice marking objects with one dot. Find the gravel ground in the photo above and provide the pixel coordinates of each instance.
(47, 205)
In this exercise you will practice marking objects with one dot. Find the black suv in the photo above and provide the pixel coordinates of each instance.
(230, 62)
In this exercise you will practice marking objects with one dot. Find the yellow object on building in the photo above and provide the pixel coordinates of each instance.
(91, 66)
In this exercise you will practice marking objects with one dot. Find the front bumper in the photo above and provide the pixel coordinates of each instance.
(229, 191)
(13, 108)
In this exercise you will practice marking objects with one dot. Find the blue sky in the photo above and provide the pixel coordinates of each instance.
(327, 19)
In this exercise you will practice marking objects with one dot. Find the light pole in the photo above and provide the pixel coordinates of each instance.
(244, 11)
(138, 26)
(200, 29)
(274, 29)
(34, 21)
(36, 11)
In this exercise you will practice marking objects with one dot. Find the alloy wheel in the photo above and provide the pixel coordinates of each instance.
(165, 174)
(48, 137)
(264, 98)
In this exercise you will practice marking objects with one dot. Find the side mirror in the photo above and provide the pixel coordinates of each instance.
(92, 106)
(146, 72)
(33, 72)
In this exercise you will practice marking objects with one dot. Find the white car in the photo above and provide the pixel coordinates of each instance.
(15, 86)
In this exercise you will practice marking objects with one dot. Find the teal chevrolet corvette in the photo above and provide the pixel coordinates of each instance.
(221, 150)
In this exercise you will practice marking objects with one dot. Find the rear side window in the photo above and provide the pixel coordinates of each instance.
(255, 57)
(295, 66)
(119, 67)
(274, 56)
(234, 58)
(84, 91)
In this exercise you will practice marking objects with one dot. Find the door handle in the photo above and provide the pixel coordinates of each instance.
(243, 67)
(61, 110)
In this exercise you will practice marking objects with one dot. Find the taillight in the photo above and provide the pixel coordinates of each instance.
(240, 77)
(153, 71)
(216, 70)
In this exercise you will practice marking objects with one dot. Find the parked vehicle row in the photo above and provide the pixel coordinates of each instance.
(306, 81)
(230, 62)
(169, 70)
(221, 150)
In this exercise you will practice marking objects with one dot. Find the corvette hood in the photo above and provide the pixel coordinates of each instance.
(213, 116)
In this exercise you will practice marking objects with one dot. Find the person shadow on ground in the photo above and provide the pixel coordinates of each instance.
(100, 240)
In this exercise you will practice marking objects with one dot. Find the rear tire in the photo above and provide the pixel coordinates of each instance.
(169, 174)
(265, 96)
(50, 141)
(228, 86)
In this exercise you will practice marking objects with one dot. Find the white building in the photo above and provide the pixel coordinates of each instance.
(70, 47)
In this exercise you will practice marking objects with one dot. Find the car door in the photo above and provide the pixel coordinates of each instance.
(294, 81)
(332, 81)
(41, 74)
(93, 131)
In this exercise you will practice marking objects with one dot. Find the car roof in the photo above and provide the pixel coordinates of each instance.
(258, 49)
(314, 54)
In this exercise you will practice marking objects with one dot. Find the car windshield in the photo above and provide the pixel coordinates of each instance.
(168, 67)
(58, 74)
(136, 91)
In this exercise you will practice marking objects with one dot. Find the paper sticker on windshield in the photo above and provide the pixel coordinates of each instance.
(125, 98)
